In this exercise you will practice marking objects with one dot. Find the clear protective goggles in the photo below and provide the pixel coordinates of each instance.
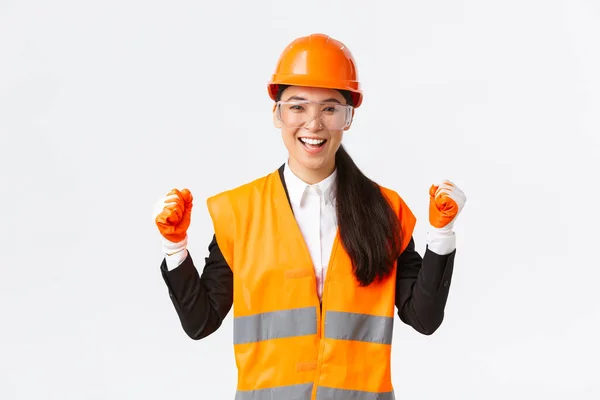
(300, 113)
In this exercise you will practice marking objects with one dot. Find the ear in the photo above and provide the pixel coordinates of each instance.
(276, 121)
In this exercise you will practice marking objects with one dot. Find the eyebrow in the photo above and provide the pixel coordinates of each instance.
(329, 100)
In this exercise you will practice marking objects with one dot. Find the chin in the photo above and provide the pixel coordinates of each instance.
(313, 163)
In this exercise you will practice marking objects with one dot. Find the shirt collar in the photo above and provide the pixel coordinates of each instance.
(298, 189)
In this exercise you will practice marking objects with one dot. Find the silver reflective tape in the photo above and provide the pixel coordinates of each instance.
(275, 325)
(325, 393)
(360, 327)
(293, 392)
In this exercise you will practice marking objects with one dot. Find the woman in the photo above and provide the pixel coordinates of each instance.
(314, 256)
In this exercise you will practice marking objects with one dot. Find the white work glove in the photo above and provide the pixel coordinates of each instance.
(446, 201)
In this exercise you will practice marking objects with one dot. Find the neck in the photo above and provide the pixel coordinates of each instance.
(310, 176)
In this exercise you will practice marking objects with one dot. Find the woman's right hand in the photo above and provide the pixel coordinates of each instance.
(172, 216)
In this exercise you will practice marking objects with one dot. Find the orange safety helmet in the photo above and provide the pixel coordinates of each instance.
(319, 61)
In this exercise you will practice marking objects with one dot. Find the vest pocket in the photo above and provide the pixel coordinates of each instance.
(297, 273)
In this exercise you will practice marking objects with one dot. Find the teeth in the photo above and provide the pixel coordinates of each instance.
(312, 141)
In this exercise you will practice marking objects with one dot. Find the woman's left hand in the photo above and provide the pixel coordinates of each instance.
(446, 201)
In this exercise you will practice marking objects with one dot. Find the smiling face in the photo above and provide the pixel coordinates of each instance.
(312, 147)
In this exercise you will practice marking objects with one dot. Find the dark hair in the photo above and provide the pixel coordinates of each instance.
(369, 227)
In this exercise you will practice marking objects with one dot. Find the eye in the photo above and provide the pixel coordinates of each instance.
(296, 107)
(331, 109)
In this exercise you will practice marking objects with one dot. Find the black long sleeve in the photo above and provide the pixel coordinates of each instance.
(201, 302)
(422, 287)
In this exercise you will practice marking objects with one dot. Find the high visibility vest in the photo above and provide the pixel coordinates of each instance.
(287, 345)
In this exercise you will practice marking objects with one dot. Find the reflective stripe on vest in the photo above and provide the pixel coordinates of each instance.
(303, 321)
(275, 325)
(359, 327)
(287, 345)
(292, 392)
(303, 392)
(325, 393)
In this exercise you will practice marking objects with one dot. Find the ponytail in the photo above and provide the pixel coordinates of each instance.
(369, 227)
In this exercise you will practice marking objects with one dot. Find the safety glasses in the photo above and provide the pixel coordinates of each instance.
(301, 113)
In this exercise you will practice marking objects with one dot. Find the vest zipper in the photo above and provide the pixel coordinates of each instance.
(320, 328)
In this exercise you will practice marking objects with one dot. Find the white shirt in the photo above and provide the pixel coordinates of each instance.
(314, 210)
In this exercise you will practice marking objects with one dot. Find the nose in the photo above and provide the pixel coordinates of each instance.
(315, 124)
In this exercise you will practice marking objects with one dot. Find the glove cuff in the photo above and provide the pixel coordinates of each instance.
(169, 247)
(441, 241)
(175, 260)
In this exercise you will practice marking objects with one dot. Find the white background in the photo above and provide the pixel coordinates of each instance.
(106, 105)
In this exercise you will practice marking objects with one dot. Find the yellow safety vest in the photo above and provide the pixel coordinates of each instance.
(287, 345)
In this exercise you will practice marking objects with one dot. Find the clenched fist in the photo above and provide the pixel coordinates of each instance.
(172, 216)
(446, 201)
